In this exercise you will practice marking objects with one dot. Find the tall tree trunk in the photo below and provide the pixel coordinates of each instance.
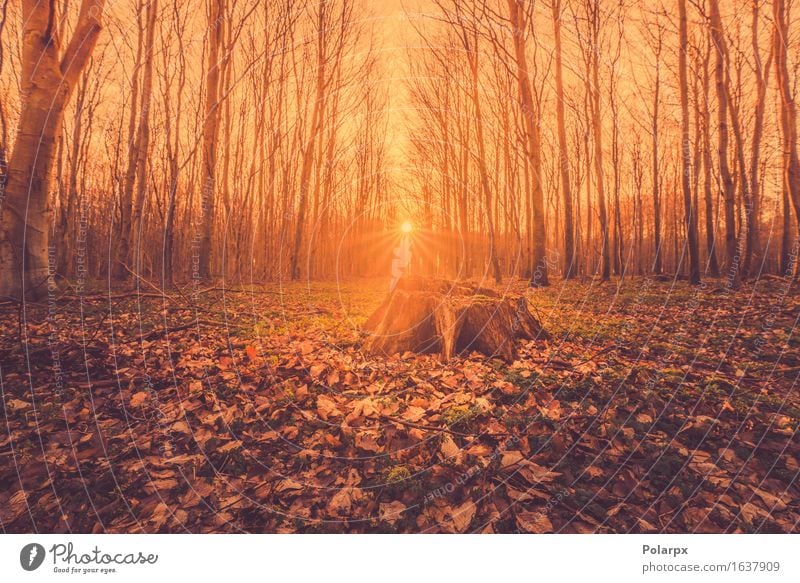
(210, 134)
(657, 261)
(47, 79)
(123, 246)
(597, 128)
(173, 149)
(690, 211)
(762, 75)
(519, 25)
(570, 259)
(484, 178)
(143, 140)
(728, 187)
(711, 245)
(309, 147)
(786, 263)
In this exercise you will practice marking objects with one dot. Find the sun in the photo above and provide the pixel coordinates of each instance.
(407, 227)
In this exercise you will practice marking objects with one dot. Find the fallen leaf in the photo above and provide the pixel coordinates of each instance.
(414, 414)
(138, 399)
(326, 407)
(390, 511)
(511, 458)
(462, 516)
(449, 448)
(366, 440)
(534, 522)
(342, 501)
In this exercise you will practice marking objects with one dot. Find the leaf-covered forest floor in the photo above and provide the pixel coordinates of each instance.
(655, 407)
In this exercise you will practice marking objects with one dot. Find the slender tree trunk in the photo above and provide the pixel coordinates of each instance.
(309, 147)
(728, 187)
(210, 134)
(173, 149)
(711, 245)
(484, 178)
(690, 212)
(123, 246)
(657, 261)
(762, 75)
(570, 259)
(786, 234)
(143, 141)
(519, 25)
(597, 127)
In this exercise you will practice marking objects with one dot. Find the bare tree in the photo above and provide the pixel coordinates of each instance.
(570, 258)
(729, 194)
(689, 210)
(518, 20)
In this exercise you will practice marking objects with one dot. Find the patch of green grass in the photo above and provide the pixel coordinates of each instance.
(460, 416)
(397, 474)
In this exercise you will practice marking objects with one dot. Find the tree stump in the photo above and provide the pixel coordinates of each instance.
(442, 317)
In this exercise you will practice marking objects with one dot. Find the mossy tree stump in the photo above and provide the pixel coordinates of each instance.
(436, 316)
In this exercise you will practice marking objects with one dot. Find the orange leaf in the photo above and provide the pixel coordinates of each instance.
(138, 399)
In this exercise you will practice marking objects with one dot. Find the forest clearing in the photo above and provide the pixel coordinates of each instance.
(654, 407)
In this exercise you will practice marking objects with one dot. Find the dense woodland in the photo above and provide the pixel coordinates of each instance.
(259, 140)
(203, 202)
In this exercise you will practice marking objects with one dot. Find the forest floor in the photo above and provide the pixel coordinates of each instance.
(654, 407)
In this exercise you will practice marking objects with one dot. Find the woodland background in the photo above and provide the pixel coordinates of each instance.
(267, 139)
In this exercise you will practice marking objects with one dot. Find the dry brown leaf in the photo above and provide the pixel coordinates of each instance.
(534, 522)
(287, 485)
(138, 399)
(326, 407)
(342, 501)
(462, 516)
(510, 459)
(772, 501)
(367, 440)
(449, 448)
(391, 511)
(414, 414)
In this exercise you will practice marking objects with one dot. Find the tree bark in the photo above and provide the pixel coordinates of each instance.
(711, 245)
(690, 211)
(472, 55)
(788, 113)
(597, 128)
(447, 318)
(143, 141)
(728, 187)
(119, 269)
(518, 25)
(309, 147)
(762, 75)
(210, 134)
(658, 260)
